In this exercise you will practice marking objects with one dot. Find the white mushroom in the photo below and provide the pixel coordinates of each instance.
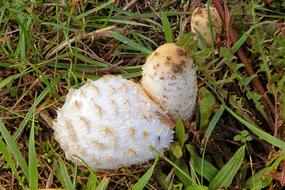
(169, 79)
(114, 122)
(110, 123)
(200, 22)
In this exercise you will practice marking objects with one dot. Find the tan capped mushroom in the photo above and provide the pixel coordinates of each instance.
(200, 23)
(110, 123)
(169, 78)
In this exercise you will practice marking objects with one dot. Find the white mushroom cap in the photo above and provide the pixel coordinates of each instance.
(200, 22)
(110, 123)
(170, 80)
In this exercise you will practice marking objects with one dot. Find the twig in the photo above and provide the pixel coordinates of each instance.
(227, 24)
(277, 122)
(248, 68)
(130, 4)
(97, 33)
(194, 4)
(35, 82)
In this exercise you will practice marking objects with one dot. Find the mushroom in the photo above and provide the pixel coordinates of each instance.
(110, 123)
(114, 122)
(200, 23)
(169, 79)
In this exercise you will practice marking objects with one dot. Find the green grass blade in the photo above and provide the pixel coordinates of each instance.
(74, 176)
(208, 132)
(131, 75)
(225, 176)
(9, 79)
(142, 182)
(196, 187)
(269, 10)
(180, 132)
(206, 105)
(166, 28)
(201, 166)
(261, 134)
(77, 67)
(178, 169)
(131, 43)
(64, 177)
(30, 113)
(180, 163)
(135, 68)
(201, 39)
(107, 17)
(6, 155)
(21, 47)
(125, 22)
(33, 162)
(90, 61)
(102, 6)
(214, 121)
(92, 181)
(149, 17)
(146, 39)
(161, 178)
(188, 42)
(243, 38)
(103, 184)
(81, 75)
(59, 27)
(259, 180)
(14, 149)
(8, 65)
(44, 78)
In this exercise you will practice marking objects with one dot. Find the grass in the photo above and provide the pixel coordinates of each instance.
(232, 142)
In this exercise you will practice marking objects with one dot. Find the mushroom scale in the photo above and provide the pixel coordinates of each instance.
(110, 123)
(169, 78)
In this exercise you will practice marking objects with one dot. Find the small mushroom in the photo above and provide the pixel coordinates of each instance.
(169, 78)
(200, 23)
(110, 123)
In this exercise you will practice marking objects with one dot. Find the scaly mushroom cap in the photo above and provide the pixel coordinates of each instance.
(110, 123)
(170, 80)
(200, 22)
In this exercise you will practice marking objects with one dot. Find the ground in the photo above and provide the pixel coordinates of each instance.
(235, 139)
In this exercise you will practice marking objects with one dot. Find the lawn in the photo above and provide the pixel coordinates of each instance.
(235, 138)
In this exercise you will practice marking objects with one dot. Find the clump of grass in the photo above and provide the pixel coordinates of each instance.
(233, 141)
